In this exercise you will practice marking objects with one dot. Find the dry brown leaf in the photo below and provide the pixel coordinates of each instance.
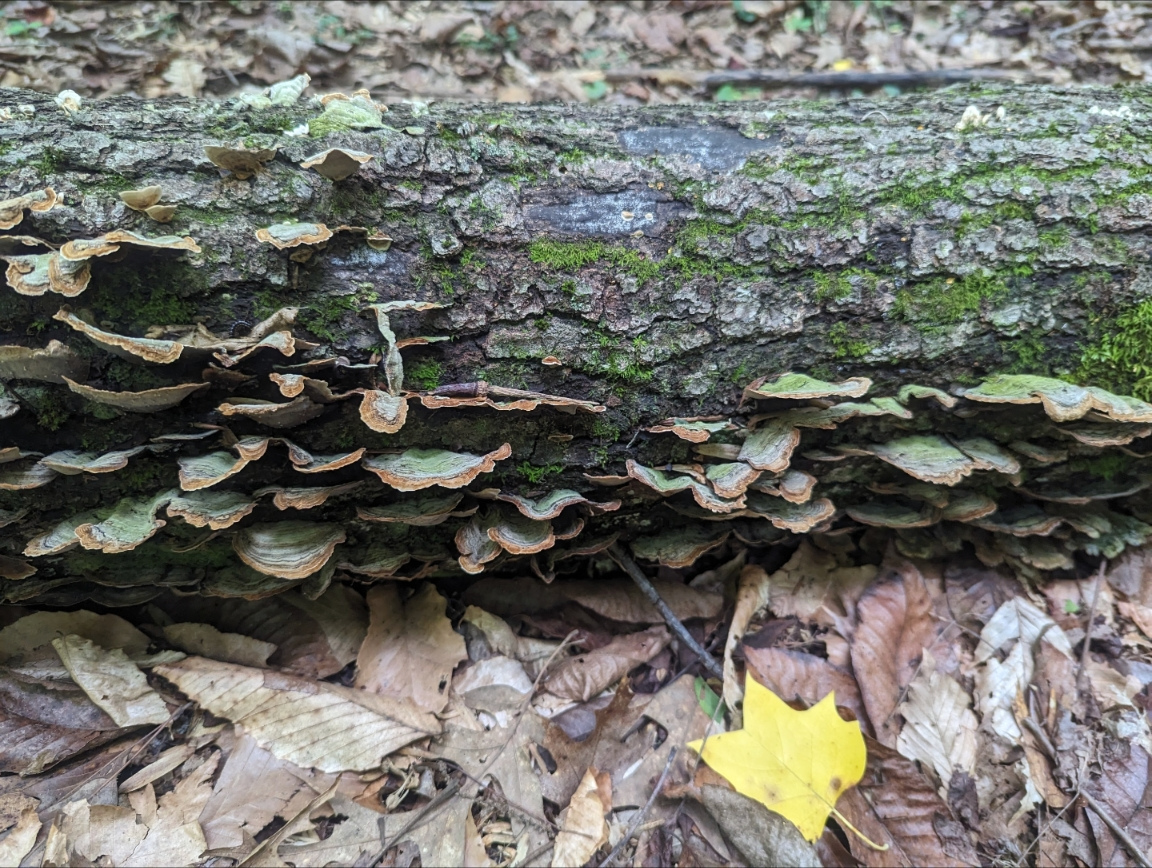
(763, 837)
(896, 805)
(584, 827)
(474, 853)
(813, 587)
(751, 596)
(579, 678)
(204, 640)
(798, 677)
(894, 626)
(410, 649)
(1124, 788)
(312, 724)
(20, 840)
(164, 763)
(112, 681)
(356, 835)
(940, 727)
(174, 834)
(254, 787)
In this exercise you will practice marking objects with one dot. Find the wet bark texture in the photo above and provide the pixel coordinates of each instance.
(666, 256)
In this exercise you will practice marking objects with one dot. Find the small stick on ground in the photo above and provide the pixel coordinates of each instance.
(642, 813)
(637, 575)
(1084, 658)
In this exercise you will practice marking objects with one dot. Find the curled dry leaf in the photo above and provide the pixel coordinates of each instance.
(579, 678)
(751, 596)
(112, 681)
(204, 640)
(585, 827)
(940, 726)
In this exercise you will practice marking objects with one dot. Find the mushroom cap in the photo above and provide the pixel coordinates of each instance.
(415, 469)
(288, 549)
(147, 401)
(53, 364)
(285, 235)
(241, 162)
(145, 197)
(800, 387)
(158, 352)
(215, 510)
(287, 415)
(383, 412)
(770, 446)
(336, 164)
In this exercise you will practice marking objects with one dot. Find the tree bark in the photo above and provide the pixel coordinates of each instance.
(663, 256)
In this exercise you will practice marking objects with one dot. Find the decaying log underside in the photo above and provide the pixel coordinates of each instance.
(583, 275)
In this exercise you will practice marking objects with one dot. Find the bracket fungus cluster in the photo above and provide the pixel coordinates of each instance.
(392, 474)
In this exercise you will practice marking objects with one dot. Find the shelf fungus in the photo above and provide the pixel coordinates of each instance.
(555, 502)
(770, 446)
(383, 412)
(378, 562)
(37, 273)
(519, 535)
(795, 486)
(801, 387)
(678, 548)
(26, 478)
(283, 236)
(53, 364)
(38, 201)
(306, 498)
(911, 391)
(242, 162)
(929, 458)
(293, 385)
(130, 523)
(967, 506)
(415, 469)
(695, 430)
(304, 461)
(274, 415)
(146, 200)
(287, 549)
(423, 511)
(62, 536)
(72, 462)
(1023, 520)
(147, 401)
(1108, 434)
(15, 569)
(666, 484)
(785, 515)
(204, 471)
(1063, 402)
(475, 546)
(155, 351)
(482, 394)
(215, 510)
(336, 164)
(893, 513)
(342, 112)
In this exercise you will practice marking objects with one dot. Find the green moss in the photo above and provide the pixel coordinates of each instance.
(570, 256)
(46, 403)
(536, 475)
(135, 294)
(425, 374)
(49, 162)
(1054, 238)
(941, 301)
(844, 347)
(1121, 358)
(1106, 466)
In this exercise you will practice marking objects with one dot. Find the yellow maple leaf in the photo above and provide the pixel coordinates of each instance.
(796, 763)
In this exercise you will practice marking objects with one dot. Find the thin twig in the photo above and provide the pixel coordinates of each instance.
(637, 575)
(439, 799)
(1123, 837)
(642, 813)
(1088, 626)
(840, 80)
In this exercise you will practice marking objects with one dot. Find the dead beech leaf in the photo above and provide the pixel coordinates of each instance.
(940, 726)
(895, 804)
(1124, 788)
(410, 649)
(253, 788)
(584, 827)
(751, 596)
(21, 839)
(762, 836)
(798, 677)
(204, 640)
(812, 586)
(166, 762)
(309, 723)
(579, 678)
(894, 626)
(112, 681)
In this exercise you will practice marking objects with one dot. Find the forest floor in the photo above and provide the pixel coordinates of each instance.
(510, 722)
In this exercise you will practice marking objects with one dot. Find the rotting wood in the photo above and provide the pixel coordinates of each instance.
(638, 265)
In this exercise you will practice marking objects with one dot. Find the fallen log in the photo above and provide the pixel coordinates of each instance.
(249, 346)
